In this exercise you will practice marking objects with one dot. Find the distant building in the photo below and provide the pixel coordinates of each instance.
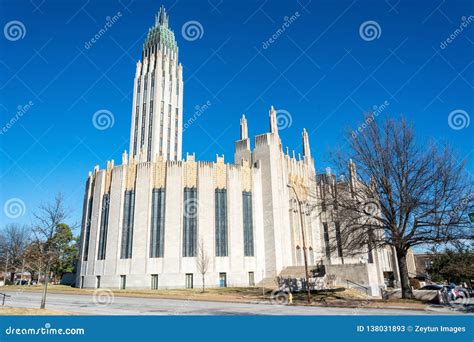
(145, 220)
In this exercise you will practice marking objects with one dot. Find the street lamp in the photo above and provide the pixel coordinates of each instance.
(304, 244)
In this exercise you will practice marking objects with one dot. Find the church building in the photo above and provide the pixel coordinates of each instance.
(153, 221)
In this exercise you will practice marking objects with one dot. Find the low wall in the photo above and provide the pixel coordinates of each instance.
(363, 274)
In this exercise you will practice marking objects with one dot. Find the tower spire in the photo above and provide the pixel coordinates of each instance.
(244, 132)
(161, 17)
(306, 149)
(273, 121)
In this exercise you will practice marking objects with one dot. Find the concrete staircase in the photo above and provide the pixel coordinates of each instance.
(295, 272)
(287, 272)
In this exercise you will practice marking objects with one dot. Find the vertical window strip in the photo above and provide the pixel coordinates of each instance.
(338, 240)
(150, 131)
(221, 222)
(88, 229)
(127, 230)
(104, 222)
(157, 223)
(326, 240)
(248, 223)
(190, 212)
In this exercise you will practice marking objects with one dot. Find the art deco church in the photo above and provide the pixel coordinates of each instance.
(148, 222)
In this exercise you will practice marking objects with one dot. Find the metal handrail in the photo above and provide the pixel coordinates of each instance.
(366, 289)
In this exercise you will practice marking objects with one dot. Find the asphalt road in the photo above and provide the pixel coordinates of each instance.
(108, 305)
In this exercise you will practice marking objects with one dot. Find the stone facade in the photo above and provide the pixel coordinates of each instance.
(146, 221)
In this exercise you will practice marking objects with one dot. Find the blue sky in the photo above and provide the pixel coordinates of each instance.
(320, 70)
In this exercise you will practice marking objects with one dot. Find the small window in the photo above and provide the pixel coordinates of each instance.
(222, 280)
(154, 281)
(98, 282)
(251, 279)
(189, 280)
(123, 282)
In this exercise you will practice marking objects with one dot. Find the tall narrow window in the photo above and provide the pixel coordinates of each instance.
(248, 223)
(154, 281)
(88, 229)
(370, 256)
(137, 111)
(150, 131)
(326, 240)
(189, 281)
(104, 222)
(190, 213)
(127, 229)
(222, 280)
(338, 240)
(157, 223)
(251, 279)
(221, 222)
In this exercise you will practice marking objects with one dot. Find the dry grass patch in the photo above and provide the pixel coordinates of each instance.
(15, 311)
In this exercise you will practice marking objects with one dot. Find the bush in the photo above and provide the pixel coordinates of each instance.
(415, 283)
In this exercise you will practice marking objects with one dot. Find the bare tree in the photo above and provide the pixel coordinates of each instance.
(48, 217)
(202, 262)
(403, 194)
(13, 243)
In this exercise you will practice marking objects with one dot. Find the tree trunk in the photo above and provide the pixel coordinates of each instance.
(12, 278)
(203, 284)
(45, 289)
(403, 270)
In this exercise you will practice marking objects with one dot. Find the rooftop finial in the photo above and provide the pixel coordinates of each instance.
(306, 148)
(273, 120)
(244, 133)
(161, 17)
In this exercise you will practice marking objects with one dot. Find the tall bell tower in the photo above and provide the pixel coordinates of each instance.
(157, 113)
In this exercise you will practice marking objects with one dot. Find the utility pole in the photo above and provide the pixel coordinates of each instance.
(304, 244)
